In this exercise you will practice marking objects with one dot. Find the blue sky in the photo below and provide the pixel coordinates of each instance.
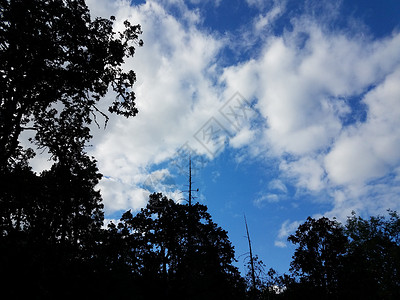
(289, 108)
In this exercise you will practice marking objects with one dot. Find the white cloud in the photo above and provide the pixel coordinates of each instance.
(215, 175)
(303, 81)
(365, 161)
(266, 21)
(265, 199)
(287, 228)
(244, 137)
(370, 149)
(299, 120)
(263, 4)
(256, 3)
(103, 8)
(280, 244)
(276, 191)
(120, 195)
(215, 2)
(277, 185)
(176, 97)
(307, 171)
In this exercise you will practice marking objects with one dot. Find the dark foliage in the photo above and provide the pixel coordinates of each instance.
(179, 248)
(358, 260)
(56, 63)
(55, 66)
(373, 257)
(318, 260)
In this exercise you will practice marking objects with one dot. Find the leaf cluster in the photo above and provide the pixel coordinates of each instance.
(356, 260)
(181, 248)
(55, 66)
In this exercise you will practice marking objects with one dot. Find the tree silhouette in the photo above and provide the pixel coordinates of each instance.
(55, 65)
(360, 260)
(318, 259)
(199, 269)
(373, 258)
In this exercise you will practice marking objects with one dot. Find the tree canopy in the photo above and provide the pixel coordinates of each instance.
(356, 260)
(56, 64)
(179, 248)
(318, 257)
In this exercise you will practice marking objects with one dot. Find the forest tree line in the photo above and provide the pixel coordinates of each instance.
(356, 260)
(56, 65)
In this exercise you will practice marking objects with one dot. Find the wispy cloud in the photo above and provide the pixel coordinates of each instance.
(286, 229)
(266, 20)
(265, 199)
(277, 185)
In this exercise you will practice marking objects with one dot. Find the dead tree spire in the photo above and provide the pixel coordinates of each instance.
(253, 277)
(190, 220)
(190, 181)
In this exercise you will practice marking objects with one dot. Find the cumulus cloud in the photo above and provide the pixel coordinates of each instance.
(308, 82)
(363, 164)
(286, 229)
(307, 172)
(177, 98)
(369, 150)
